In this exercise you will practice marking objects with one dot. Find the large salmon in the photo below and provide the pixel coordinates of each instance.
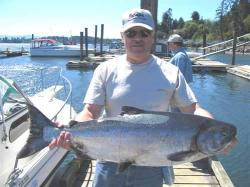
(137, 137)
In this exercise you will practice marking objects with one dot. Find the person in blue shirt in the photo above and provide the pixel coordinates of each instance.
(182, 61)
(180, 57)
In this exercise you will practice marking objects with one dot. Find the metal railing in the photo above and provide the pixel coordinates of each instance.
(222, 47)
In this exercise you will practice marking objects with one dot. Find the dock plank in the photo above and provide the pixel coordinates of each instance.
(241, 71)
(196, 179)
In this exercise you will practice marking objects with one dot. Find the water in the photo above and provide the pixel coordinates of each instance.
(14, 46)
(226, 96)
(227, 58)
(228, 99)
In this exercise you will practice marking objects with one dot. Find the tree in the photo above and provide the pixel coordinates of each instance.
(246, 22)
(189, 29)
(175, 24)
(167, 21)
(195, 16)
(228, 9)
(181, 23)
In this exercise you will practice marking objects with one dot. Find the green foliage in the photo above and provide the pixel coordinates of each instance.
(181, 23)
(190, 28)
(231, 15)
(167, 21)
(195, 16)
(246, 22)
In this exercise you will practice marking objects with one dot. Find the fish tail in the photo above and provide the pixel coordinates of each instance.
(35, 141)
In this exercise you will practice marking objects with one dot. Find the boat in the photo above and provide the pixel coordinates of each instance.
(53, 48)
(39, 168)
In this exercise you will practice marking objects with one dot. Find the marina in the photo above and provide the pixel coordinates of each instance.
(225, 84)
(51, 71)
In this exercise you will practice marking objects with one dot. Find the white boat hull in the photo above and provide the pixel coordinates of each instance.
(35, 169)
(38, 52)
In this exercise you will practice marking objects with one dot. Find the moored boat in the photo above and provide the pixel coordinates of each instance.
(39, 168)
(53, 48)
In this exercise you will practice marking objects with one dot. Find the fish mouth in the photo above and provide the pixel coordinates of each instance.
(229, 146)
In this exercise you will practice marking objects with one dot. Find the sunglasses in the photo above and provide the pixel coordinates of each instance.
(141, 33)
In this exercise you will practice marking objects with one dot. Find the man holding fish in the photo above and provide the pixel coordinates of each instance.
(138, 79)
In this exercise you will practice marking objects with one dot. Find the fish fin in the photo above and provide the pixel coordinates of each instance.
(131, 110)
(181, 156)
(35, 141)
(123, 166)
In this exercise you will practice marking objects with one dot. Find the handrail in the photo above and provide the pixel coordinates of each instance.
(227, 41)
(69, 96)
(220, 51)
(61, 77)
(64, 79)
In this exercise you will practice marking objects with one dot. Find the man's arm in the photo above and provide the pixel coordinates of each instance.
(90, 111)
(196, 110)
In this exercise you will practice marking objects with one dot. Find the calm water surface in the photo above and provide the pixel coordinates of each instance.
(225, 95)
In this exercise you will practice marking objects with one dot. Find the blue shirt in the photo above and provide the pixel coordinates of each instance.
(181, 60)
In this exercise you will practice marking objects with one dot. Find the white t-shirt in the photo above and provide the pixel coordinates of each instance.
(152, 85)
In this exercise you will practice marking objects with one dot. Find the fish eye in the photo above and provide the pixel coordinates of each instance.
(224, 132)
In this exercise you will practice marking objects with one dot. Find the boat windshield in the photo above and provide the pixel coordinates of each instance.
(11, 101)
(45, 43)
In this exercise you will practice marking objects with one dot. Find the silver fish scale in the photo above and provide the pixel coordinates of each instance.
(145, 139)
(140, 118)
(135, 139)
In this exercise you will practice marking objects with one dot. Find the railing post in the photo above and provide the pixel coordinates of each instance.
(234, 46)
(204, 43)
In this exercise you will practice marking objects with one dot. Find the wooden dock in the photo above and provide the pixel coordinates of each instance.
(209, 65)
(198, 65)
(89, 63)
(241, 71)
(204, 173)
(13, 53)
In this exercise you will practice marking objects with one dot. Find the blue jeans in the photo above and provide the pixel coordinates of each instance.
(168, 175)
(135, 176)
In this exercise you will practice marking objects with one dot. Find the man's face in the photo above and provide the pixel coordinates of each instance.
(138, 42)
(172, 46)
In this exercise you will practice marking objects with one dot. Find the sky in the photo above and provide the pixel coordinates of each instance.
(70, 17)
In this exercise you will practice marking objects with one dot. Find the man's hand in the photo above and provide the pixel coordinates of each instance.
(63, 140)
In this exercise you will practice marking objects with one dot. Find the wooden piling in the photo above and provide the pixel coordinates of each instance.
(81, 46)
(101, 44)
(204, 43)
(234, 46)
(86, 42)
(95, 39)
(152, 6)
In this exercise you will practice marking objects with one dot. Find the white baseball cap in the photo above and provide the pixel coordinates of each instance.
(137, 17)
(175, 38)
